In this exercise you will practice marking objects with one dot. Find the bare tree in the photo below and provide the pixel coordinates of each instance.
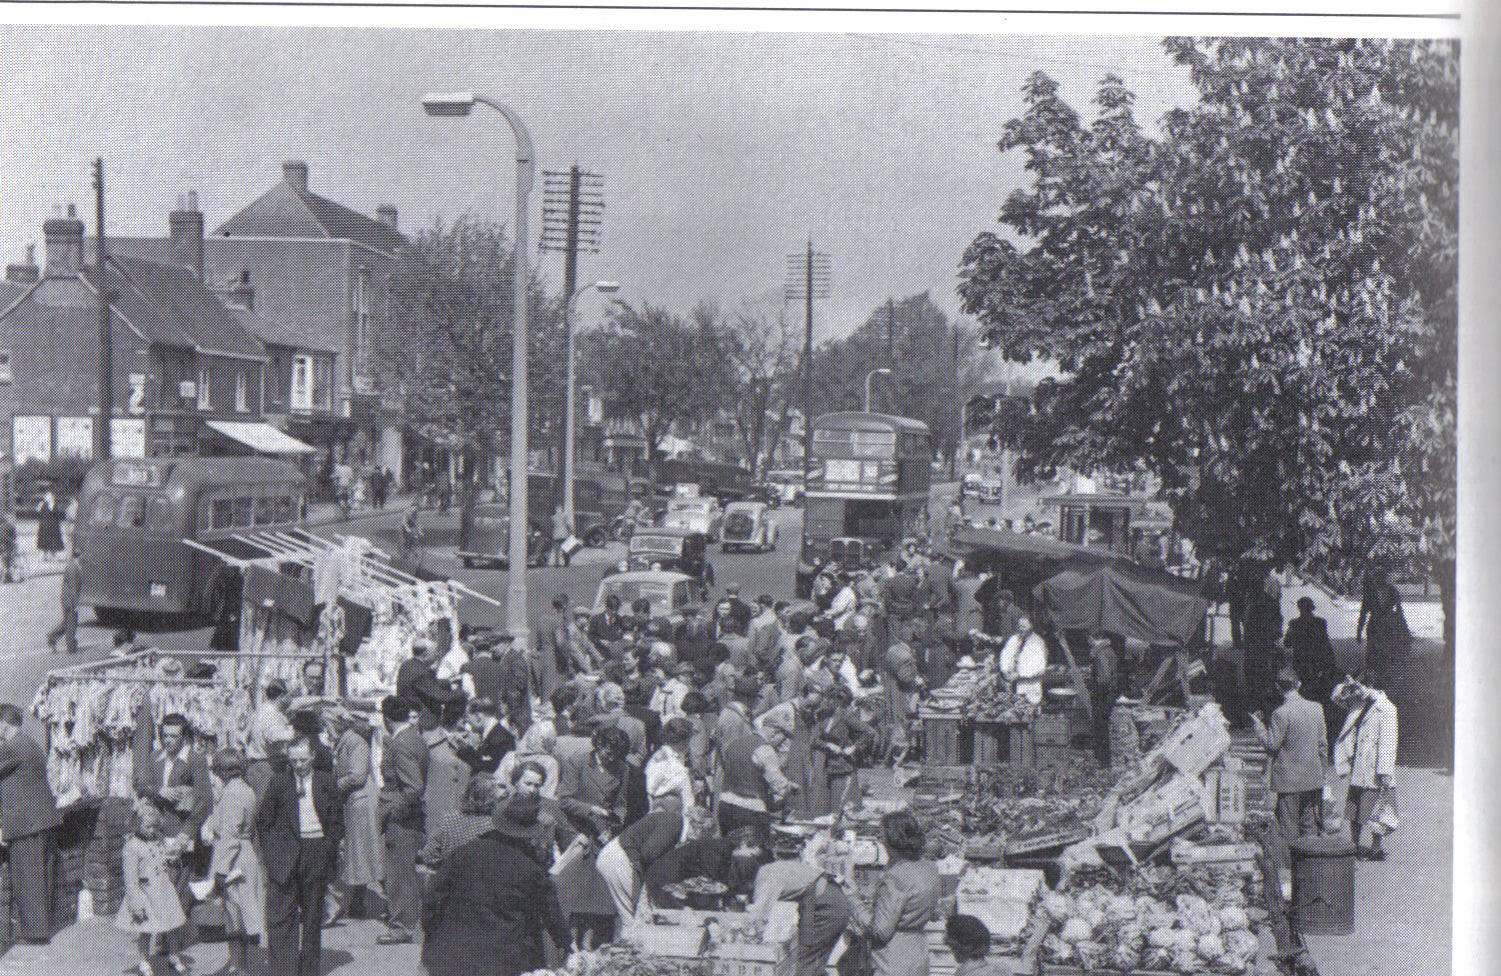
(763, 352)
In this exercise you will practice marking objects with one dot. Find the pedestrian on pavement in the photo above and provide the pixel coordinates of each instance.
(67, 629)
(447, 774)
(8, 550)
(49, 525)
(1296, 739)
(270, 731)
(403, 770)
(493, 901)
(1383, 626)
(515, 688)
(300, 823)
(28, 816)
(489, 741)
(562, 532)
(151, 907)
(907, 896)
(1307, 639)
(239, 882)
(1104, 689)
(474, 816)
(624, 861)
(1365, 754)
(417, 683)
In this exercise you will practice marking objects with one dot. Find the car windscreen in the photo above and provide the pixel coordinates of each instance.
(665, 545)
(629, 591)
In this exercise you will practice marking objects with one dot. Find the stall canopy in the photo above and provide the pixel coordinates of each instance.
(261, 438)
(1119, 598)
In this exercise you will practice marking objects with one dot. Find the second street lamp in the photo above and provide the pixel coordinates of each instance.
(460, 104)
(883, 371)
(569, 424)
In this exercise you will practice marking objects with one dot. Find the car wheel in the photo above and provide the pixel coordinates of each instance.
(595, 539)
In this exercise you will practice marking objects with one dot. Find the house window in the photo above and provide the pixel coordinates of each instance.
(302, 383)
(323, 383)
(242, 392)
(203, 396)
(5, 374)
(362, 315)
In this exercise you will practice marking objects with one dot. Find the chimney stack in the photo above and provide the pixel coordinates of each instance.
(386, 214)
(63, 239)
(25, 273)
(241, 293)
(185, 243)
(294, 174)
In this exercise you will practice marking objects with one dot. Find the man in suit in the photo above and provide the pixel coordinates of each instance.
(515, 684)
(598, 789)
(1298, 742)
(176, 781)
(28, 815)
(554, 655)
(418, 683)
(606, 627)
(693, 640)
(403, 771)
(765, 631)
(489, 740)
(740, 611)
(300, 824)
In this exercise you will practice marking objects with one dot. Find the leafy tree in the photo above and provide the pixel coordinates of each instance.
(764, 355)
(447, 354)
(1259, 305)
(921, 355)
(660, 369)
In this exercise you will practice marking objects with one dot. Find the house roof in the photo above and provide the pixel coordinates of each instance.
(292, 336)
(286, 211)
(167, 304)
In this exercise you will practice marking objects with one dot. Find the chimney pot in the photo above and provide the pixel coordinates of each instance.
(294, 172)
(386, 214)
(25, 273)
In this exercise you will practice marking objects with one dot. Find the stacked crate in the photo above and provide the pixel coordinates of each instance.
(1254, 767)
(1053, 737)
(103, 873)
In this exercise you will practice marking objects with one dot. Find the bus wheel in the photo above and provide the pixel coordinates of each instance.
(112, 616)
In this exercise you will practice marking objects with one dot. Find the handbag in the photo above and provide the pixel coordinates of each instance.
(1385, 818)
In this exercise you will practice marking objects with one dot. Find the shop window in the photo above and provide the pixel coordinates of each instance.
(244, 512)
(286, 510)
(242, 392)
(265, 510)
(302, 383)
(203, 392)
(223, 514)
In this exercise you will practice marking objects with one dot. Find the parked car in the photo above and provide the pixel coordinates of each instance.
(748, 525)
(671, 548)
(669, 592)
(698, 514)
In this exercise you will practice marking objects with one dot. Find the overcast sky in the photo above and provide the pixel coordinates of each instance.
(722, 152)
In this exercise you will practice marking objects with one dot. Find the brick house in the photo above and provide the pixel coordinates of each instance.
(183, 359)
(321, 273)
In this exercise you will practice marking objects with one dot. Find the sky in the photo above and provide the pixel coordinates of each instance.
(722, 152)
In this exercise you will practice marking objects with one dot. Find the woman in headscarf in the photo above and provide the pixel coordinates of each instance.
(536, 746)
(668, 772)
(906, 901)
(354, 775)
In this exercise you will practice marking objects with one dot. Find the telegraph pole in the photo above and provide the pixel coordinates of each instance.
(807, 278)
(102, 432)
(572, 205)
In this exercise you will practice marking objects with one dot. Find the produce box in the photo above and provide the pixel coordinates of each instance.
(1196, 745)
(941, 740)
(1022, 747)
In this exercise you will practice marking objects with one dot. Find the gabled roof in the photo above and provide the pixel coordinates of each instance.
(285, 211)
(167, 304)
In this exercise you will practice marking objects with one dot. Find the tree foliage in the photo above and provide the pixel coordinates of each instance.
(926, 376)
(1260, 305)
(660, 369)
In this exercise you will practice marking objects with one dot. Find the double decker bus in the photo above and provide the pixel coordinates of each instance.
(868, 480)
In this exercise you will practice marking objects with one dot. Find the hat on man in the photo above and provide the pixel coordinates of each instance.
(766, 600)
(747, 687)
(517, 818)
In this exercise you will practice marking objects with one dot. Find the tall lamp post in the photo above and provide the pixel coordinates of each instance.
(460, 104)
(883, 371)
(569, 424)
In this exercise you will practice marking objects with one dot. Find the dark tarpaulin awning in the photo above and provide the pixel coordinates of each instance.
(1149, 605)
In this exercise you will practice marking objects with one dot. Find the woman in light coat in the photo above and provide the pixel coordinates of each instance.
(1365, 754)
(354, 774)
(907, 896)
(236, 869)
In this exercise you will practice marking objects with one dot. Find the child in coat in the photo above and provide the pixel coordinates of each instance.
(151, 907)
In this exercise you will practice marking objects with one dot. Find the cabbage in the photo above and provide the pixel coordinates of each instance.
(1057, 907)
(1162, 938)
(1186, 961)
(1091, 954)
(1133, 935)
(1241, 942)
(1185, 941)
(1124, 958)
(1157, 957)
(1077, 929)
(1232, 918)
(1230, 895)
(1120, 909)
(1057, 950)
(1096, 919)
(1210, 947)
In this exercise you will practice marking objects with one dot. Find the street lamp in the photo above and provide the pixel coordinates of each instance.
(604, 288)
(883, 371)
(460, 104)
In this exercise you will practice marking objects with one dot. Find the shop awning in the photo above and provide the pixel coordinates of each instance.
(262, 438)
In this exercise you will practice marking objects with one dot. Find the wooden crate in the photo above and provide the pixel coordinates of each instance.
(992, 743)
(936, 778)
(1022, 745)
(941, 740)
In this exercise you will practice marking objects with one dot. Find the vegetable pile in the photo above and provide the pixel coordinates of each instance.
(617, 959)
(1185, 921)
(695, 886)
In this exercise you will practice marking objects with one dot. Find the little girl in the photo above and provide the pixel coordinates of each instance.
(151, 907)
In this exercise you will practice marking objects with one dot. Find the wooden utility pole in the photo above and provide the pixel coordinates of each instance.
(102, 431)
(807, 278)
